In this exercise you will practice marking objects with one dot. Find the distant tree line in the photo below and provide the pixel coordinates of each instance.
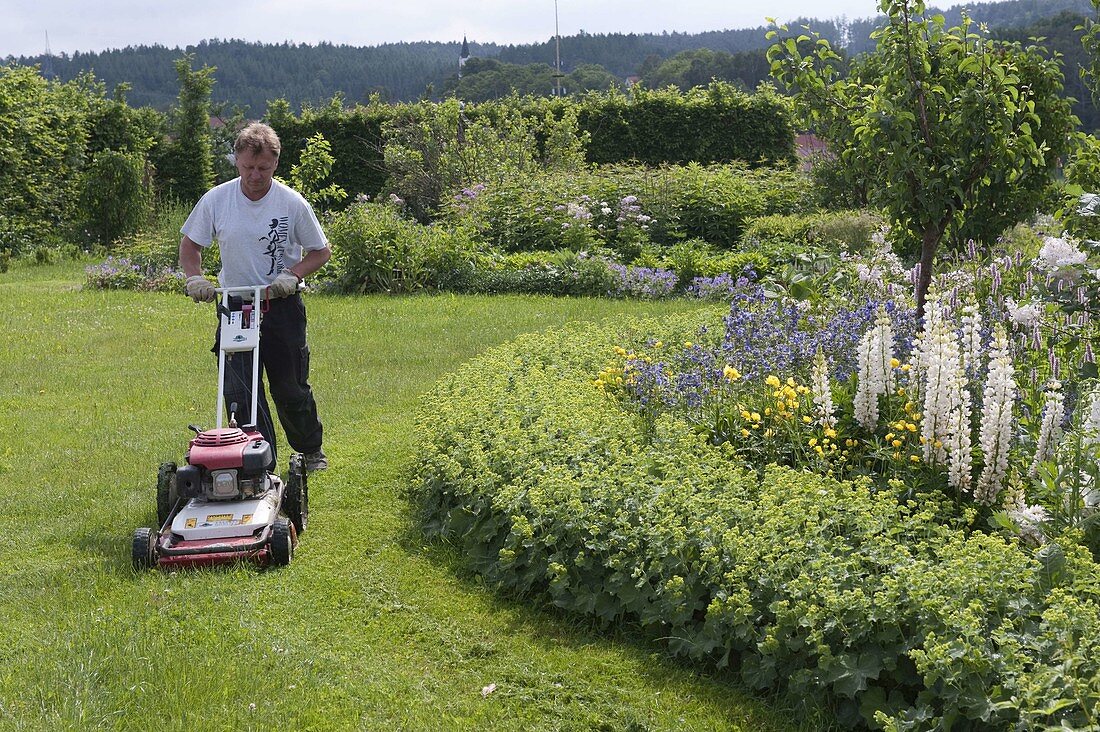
(252, 74)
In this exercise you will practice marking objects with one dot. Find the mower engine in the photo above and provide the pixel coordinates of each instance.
(225, 464)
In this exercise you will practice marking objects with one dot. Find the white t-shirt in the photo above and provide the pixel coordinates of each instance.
(256, 239)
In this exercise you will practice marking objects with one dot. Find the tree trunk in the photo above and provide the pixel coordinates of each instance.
(930, 241)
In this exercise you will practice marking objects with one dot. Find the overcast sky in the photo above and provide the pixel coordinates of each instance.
(96, 25)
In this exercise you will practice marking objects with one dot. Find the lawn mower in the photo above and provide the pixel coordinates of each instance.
(224, 504)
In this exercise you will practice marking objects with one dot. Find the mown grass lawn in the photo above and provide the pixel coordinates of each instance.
(368, 628)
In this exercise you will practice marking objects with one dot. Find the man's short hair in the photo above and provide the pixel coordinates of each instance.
(257, 138)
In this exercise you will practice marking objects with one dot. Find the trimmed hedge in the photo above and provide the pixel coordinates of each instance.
(356, 138)
(884, 609)
(715, 124)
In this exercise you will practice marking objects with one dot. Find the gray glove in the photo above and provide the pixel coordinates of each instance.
(285, 284)
(200, 289)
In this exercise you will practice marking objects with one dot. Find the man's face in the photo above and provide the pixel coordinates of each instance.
(256, 172)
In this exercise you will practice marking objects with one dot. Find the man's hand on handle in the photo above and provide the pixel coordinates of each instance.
(200, 289)
(285, 284)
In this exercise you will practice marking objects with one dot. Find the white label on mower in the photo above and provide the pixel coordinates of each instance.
(205, 519)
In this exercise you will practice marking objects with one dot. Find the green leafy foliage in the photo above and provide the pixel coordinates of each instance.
(378, 249)
(850, 230)
(825, 587)
(716, 123)
(311, 172)
(626, 207)
(42, 143)
(114, 199)
(74, 163)
(432, 149)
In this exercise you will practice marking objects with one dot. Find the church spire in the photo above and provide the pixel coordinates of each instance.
(463, 55)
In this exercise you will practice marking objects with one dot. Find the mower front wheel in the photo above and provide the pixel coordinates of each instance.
(143, 548)
(281, 544)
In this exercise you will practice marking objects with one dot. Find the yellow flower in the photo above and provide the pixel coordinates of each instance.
(659, 344)
(744, 432)
(791, 382)
(772, 380)
(889, 436)
(937, 444)
(812, 442)
(896, 443)
(745, 414)
(767, 411)
(620, 351)
(731, 373)
(687, 344)
(806, 418)
(901, 391)
(818, 450)
(755, 416)
(905, 367)
(830, 432)
(910, 426)
(769, 433)
(894, 363)
(914, 458)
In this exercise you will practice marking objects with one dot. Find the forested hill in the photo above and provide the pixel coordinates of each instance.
(251, 74)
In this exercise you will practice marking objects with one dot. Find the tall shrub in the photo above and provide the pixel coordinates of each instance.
(114, 201)
(186, 165)
(42, 143)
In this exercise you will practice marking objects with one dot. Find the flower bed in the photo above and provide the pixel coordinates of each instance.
(892, 605)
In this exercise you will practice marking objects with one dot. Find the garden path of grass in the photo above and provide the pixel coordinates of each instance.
(368, 628)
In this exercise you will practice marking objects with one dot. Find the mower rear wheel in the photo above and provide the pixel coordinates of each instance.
(143, 548)
(281, 544)
(167, 493)
(296, 497)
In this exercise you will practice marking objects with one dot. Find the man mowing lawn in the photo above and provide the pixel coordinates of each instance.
(268, 234)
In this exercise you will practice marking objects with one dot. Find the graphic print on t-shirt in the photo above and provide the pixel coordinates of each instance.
(273, 242)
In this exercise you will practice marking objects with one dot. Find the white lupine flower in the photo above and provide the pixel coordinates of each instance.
(971, 338)
(1029, 520)
(822, 392)
(944, 386)
(1050, 431)
(869, 275)
(995, 438)
(1090, 425)
(876, 374)
(959, 459)
(1024, 314)
(1056, 254)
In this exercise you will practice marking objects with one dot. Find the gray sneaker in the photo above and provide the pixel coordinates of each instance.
(315, 460)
